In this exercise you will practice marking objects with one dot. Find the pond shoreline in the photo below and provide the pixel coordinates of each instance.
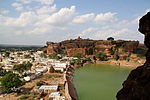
(121, 64)
(70, 75)
(71, 92)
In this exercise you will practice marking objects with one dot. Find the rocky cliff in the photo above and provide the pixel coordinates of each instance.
(137, 85)
(90, 47)
(52, 48)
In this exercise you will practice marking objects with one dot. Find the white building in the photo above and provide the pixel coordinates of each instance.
(32, 77)
(41, 69)
(60, 66)
(46, 88)
(54, 95)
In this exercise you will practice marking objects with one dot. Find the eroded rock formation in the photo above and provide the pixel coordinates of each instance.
(90, 47)
(52, 48)
(137, 85)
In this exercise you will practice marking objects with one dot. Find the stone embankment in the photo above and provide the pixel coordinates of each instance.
(70, 90)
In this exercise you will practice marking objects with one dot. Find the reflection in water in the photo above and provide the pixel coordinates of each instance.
(99, 81)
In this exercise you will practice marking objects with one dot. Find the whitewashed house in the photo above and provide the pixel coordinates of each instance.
(48, 88)
(32, 76)
(41, 69)
(60, 66)
(54, 95)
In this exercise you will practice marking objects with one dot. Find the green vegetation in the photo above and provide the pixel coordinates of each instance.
(27, 56)
(34, 96)
(34, 93)
(75, 61)
(55, 56)
(54, 76)
(7, 54)
(27, 93)
(61, 87)
(101, 56)
(78, 55)
(29, 96)
(3, 72)
(22, 67)
(40, 83)
(112, 51)
(84, 60)
(116, 56)
(23, 97)
(43, 55)
(128, 58)
(10, 81)
(61, 51)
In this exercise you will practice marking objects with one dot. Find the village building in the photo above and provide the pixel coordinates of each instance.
(48, 88)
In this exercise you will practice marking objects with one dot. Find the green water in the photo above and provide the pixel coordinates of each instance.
(99, 81)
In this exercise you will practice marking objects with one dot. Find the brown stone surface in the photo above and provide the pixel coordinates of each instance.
(52, 47)
(72, 51)
(137, 85)
(79, 45)
(89, 47)
(123, 56)
(130, 46)
(102, 45)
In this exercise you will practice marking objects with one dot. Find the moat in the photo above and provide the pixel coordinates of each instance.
(99, 81)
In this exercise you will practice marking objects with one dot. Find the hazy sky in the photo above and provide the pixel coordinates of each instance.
(37, 21)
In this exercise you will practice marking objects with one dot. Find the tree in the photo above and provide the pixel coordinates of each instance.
(27, 56)
(10, 81)
(116, 56)
(55, 56)
(22, 67)
(101, 56)
(51, 70)
(84, 60)
(110, 38)
(3, 72)
(128, 58)
(40, 83)
(61, 51)
(43, 55)
(7, 54)
(78, 55)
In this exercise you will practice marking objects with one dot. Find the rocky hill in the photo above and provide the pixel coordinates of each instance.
(137, 85)
(90, 47)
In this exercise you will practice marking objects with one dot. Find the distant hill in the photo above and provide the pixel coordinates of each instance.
(20, 47)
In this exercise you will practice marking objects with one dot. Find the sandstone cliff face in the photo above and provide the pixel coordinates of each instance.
(102, 45)
(78, 43)
(130, 46)
(72, 51)
(137, 85)
(52, 48)
(89, 47)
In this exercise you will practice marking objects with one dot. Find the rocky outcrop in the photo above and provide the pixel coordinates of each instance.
(52, 48)
(73, 51)
(90, 47)
(137, 85)
(102, 45)
(130, 46)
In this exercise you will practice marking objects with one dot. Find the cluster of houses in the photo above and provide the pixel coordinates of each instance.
(52, 90)
(40, 65)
